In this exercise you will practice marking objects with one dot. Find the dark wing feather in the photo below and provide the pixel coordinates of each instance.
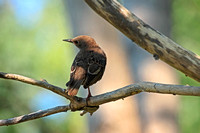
(95, 70)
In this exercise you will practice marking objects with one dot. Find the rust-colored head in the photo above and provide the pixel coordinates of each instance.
(82, 42)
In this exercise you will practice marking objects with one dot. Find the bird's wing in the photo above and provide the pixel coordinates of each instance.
(77, 76)
(96, 67)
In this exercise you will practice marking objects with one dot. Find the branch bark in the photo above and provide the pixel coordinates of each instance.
(43, 83)
(148, 38)
(78, 103)
(34, 115)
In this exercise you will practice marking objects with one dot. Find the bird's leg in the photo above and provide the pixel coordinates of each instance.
(89, 109)
(89, 94)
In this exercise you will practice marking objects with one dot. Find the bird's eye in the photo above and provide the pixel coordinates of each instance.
(76, 42)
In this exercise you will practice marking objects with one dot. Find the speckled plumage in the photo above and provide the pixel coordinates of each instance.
(88, 66)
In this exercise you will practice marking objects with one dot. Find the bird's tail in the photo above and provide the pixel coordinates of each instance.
(72, 91)
(73, 87)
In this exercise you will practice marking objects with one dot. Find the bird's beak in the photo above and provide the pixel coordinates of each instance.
(67, 40)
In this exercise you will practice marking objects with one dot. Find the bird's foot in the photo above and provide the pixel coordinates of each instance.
(89, 95)
(88, 98)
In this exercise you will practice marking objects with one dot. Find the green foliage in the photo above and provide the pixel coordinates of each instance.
(186, 25)
(186, 31)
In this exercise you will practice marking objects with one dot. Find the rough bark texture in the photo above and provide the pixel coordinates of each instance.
(148, 38)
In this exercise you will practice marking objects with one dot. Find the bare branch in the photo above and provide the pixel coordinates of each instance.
(144, 87)
(39, 83)
(34, 115)
(148, 38)
(78, 103)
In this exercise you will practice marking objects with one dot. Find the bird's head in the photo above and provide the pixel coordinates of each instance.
(82, 42)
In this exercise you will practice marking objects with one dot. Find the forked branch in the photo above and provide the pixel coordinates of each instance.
(77, 103)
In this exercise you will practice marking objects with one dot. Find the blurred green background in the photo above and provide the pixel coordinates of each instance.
(186, 31)
(31, 34)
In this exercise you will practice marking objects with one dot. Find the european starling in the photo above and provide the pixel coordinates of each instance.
(88, 66)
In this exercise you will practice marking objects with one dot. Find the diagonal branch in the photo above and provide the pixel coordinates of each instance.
(39, 83)
(34, 115)
(78, 103)
(148, 38)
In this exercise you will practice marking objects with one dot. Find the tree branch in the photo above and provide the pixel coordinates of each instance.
(34, 115)
(42, 83)
(144, 87)
(148, 38)
(78, 103)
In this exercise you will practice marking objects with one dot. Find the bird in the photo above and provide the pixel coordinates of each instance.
(88, 66)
